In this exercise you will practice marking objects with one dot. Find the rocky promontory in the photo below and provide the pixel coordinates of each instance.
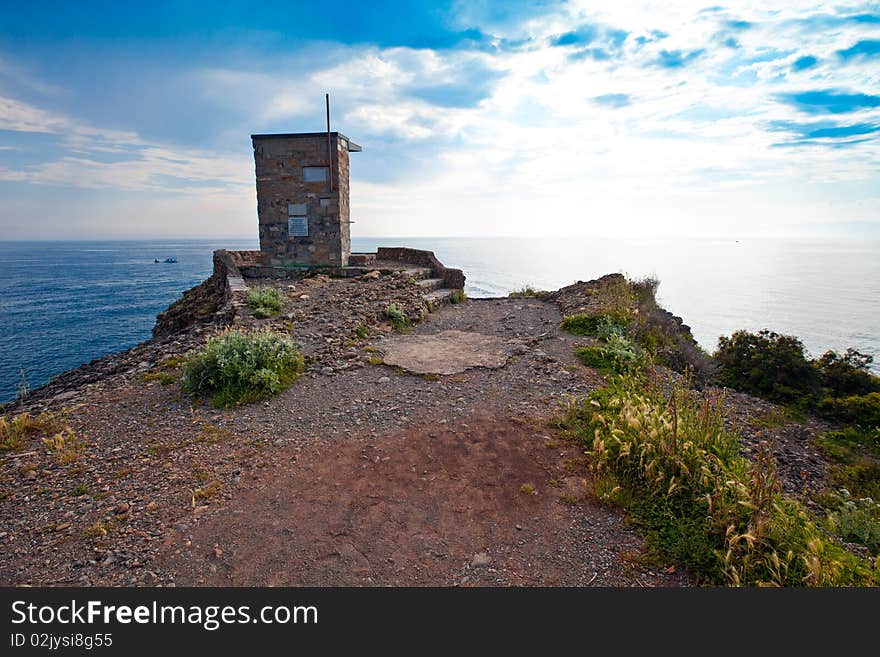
(428, 454)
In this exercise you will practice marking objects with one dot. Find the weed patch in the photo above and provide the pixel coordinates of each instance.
(14, 432)
(396, 315)
(525, 292)
(265, 301)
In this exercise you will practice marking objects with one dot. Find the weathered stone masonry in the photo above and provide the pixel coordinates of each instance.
(303, 218)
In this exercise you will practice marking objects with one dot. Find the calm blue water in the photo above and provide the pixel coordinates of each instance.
(65, 303)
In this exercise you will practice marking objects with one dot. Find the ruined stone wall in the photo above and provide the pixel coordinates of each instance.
(279, 163)
(452, 278)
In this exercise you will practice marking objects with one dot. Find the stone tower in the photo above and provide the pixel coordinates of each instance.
(302, 198)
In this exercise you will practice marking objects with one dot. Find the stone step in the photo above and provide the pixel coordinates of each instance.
(429, 284)
(361, 259)
(439, 297)
(387, 269)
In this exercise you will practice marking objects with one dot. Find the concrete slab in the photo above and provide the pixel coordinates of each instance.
(447, 352)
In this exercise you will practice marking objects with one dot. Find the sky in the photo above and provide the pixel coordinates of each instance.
(481, 118)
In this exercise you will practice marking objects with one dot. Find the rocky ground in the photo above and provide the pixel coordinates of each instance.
(360, 473)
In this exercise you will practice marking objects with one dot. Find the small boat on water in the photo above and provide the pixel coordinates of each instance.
(167, 261)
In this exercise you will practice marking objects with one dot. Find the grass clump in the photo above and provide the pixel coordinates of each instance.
(54, 430)
(206, 492)
(65, 445)
(237, 367)
(679, 472)
(265, 301)
(79, 490)
(163, 378)
(525, 292)
(15, 431)
(395, 313)
(458, 297)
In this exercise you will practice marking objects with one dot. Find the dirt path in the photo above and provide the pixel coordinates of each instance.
(425, 481)
(426, 506)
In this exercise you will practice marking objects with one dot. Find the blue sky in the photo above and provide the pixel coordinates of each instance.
(477, 118)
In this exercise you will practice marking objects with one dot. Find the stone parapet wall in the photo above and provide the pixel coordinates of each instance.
(452, 278)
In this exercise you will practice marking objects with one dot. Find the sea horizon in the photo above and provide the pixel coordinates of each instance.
(62, 310)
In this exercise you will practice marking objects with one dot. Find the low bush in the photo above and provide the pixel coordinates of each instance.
(237, 367)
(857, 520)
(616, 356)
(265, 301)
(847, 375)
(597, 326)
(679, 471)
(858, 410)
(768, 365)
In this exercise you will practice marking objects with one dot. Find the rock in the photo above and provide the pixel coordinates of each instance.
(481, 560)
(217, 553)
(122, 508)
(371, 275)
(384, 379)
(152, 506)
(30, 474)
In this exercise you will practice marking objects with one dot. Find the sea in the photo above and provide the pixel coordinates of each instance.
(63, 304)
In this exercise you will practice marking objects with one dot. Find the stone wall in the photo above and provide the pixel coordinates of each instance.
(452, 278)
(279, 162)
(213, 300)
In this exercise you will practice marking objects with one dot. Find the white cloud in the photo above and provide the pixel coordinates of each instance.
(529, 147)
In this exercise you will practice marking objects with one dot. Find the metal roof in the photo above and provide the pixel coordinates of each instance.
(352, 147)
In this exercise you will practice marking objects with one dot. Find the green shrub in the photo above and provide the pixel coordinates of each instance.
(265, 301)
(396, 314)
(458, 297)
(768, 365)
(597, 326)
(679, 471)
(237, 367)
(617, 355)
(858, 410)
(847, 375)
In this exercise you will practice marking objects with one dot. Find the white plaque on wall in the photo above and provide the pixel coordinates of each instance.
(298, 226)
